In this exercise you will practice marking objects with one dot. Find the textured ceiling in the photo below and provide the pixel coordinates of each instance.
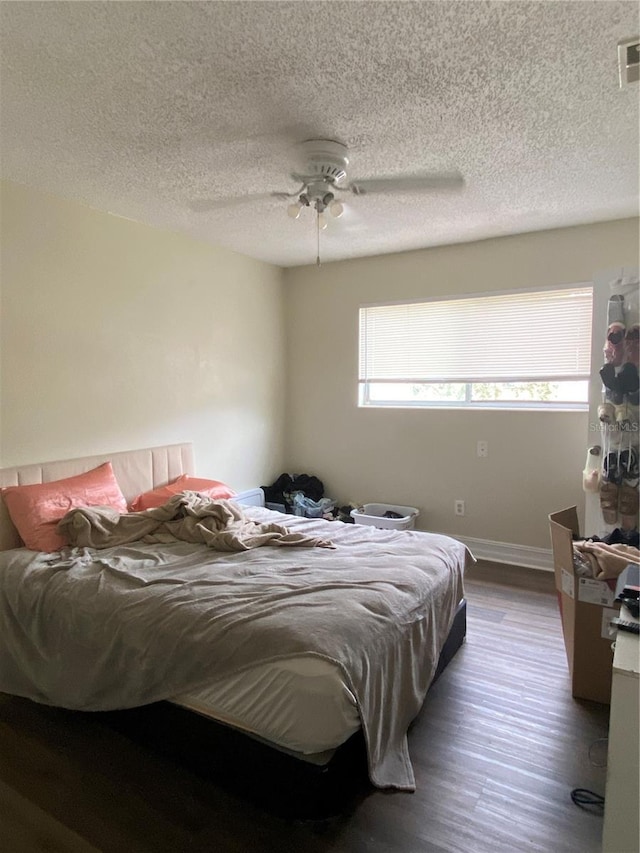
(143, 108)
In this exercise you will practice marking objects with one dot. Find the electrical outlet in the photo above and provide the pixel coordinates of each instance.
(483, 449)
(458, 507)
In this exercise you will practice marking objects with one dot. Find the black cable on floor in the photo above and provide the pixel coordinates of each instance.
(587, 799)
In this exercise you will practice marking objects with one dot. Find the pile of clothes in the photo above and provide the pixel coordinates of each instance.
(303, 494)
(606, 558)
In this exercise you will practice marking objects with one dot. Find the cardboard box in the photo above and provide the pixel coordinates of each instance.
(586, 606)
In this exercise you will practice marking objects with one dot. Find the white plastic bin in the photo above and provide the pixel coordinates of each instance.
(372, 514)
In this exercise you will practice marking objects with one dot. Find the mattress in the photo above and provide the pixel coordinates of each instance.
(300, 704)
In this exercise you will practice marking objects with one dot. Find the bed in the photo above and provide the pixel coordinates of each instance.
(308, 699)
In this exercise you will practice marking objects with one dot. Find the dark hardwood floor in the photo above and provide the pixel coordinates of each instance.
(497, 749)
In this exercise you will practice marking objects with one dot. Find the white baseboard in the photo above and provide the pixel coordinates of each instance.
(505, 552)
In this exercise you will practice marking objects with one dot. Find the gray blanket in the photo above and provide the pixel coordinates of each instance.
(137, 623)
(187, 516)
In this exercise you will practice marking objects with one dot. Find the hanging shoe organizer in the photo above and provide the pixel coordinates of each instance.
(612, 469)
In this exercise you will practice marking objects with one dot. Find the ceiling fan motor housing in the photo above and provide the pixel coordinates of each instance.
(323, 159)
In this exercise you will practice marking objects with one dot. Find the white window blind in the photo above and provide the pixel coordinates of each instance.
(534, 336)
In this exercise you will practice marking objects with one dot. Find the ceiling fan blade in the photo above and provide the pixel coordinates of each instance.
(350, 222)
(205, 204)
(408, 183)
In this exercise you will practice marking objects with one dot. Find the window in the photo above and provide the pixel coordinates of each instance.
(505, 350)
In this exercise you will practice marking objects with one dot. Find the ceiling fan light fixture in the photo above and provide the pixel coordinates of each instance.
(322, 172)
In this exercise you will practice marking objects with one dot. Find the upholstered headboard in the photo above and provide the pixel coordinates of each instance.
(136, 471)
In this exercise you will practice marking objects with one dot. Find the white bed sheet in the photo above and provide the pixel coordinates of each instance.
(301, 704)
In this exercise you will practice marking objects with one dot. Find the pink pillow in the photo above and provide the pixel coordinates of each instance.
(35, 510)
(157, 497)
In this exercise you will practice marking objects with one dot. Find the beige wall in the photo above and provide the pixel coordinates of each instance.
(116, 335)
(427, 458)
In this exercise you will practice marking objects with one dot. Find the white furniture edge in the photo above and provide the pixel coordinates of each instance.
(621, 829)
(250, 497)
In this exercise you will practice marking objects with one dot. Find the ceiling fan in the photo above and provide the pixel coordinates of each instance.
(322, 181)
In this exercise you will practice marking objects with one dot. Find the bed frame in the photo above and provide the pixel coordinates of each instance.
(318, 782)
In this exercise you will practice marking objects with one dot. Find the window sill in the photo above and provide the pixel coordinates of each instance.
(486, 407)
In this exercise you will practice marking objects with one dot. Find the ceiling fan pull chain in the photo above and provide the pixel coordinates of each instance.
(318, 237)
